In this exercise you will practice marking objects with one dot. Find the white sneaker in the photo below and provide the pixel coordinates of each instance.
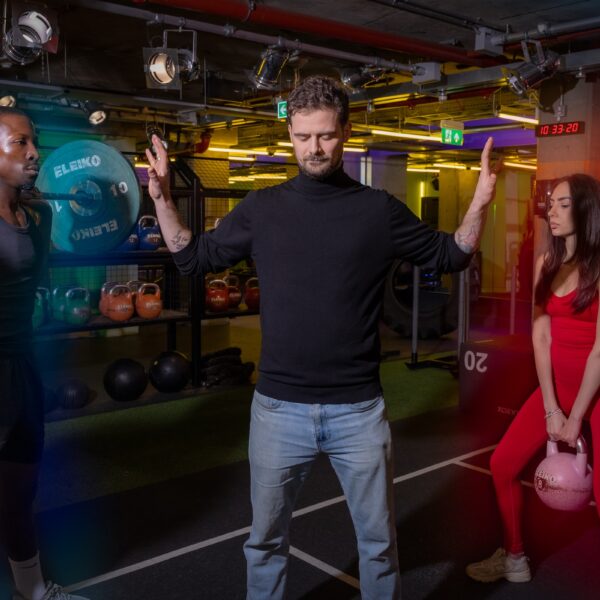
(53, 592)
(500, 565)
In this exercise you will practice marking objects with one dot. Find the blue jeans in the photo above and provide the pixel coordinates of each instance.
(285, 439)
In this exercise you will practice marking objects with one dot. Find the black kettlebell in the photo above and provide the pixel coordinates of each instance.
(125, 379)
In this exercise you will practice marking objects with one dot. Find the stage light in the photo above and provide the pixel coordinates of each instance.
(267, 71)
(168, 68)
(533, 71)
(8, 101)
(94, 112)
(31, 32)
(356, 79)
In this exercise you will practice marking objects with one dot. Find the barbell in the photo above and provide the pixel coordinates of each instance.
(94, 194)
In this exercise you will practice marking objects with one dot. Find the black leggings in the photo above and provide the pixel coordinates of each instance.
(21, 410)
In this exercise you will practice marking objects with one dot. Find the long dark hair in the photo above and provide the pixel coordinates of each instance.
(585, 194)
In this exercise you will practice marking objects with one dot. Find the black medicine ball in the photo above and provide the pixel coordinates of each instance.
(73, 393)
(125, 379)
(170, 371)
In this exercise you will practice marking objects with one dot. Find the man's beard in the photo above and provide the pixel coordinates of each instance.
(318, 175)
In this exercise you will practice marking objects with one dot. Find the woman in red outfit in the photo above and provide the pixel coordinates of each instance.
(566, 341)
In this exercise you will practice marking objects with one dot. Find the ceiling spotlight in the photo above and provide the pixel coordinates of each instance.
(267, 71)
(168, 68)
(357, 79)
(94, 112)
(8, 101)
(32, 31)
(533, 71)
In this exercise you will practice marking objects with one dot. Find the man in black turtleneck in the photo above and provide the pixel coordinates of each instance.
(322, 244)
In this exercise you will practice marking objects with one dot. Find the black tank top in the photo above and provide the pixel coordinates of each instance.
(21, 259)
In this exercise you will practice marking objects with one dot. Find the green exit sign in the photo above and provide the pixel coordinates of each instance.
(282, 109)
(454, 137)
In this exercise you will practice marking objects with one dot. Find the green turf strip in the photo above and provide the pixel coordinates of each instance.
(106, 453)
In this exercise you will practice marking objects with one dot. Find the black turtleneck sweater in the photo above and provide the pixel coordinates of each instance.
(322, 250)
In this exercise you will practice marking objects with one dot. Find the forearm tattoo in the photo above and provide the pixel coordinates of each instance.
(180, 240)
(468, 241)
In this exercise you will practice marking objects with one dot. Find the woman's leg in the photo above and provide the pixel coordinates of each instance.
(595, 427)
(524, 437)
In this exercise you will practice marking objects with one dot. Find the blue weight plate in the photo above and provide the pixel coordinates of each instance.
(111, 199)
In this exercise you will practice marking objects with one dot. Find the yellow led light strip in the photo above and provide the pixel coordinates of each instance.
(450, 166)
(521, 166)
(410, 136)
(518, 118)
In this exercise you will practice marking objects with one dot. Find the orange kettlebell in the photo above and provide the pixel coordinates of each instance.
(148, 304)
(119, 306)
(235, 294)
(134, 287)
(252, 294)
(217, 296)
(106, 287)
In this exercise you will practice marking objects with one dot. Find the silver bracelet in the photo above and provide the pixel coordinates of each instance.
(551, 413)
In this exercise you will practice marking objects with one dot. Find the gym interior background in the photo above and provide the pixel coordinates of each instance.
(427, 87)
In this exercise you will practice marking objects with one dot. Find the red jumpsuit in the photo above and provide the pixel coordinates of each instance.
(573, 336)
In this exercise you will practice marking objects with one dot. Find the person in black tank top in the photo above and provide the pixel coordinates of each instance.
(24, 242)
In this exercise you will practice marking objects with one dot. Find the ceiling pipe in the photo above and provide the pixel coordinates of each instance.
(545, 31)
(438, 15)
(258, 38)
(293, 21)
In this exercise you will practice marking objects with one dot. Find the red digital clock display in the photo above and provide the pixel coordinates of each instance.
(555, 129)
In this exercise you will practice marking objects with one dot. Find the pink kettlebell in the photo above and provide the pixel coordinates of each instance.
(563, 480)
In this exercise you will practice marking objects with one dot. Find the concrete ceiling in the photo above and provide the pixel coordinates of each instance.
(99, 58)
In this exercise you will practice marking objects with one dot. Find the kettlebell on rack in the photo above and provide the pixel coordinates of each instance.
(233, 287)
(58, 302)
(148, 232)
(77, 306)
(217, 296)
(119, 306)
(131, 243)
(103, 295)
(40, 308)
(134, 287)
(148, 304)
(252, 294)
(564, 480)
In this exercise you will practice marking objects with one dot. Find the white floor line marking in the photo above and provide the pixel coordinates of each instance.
(319, 564)
(157, 559)
(442, 464)
(233, 534)
(460, 463)
(488, 472)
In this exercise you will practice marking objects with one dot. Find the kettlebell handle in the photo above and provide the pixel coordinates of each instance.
(149, 286)
(121, 289)
(142, 221)
(78, 290)
(581, 446)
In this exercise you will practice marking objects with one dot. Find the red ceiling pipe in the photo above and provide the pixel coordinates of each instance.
(275, 17)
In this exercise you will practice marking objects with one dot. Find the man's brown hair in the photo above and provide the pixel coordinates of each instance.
(317, 93)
